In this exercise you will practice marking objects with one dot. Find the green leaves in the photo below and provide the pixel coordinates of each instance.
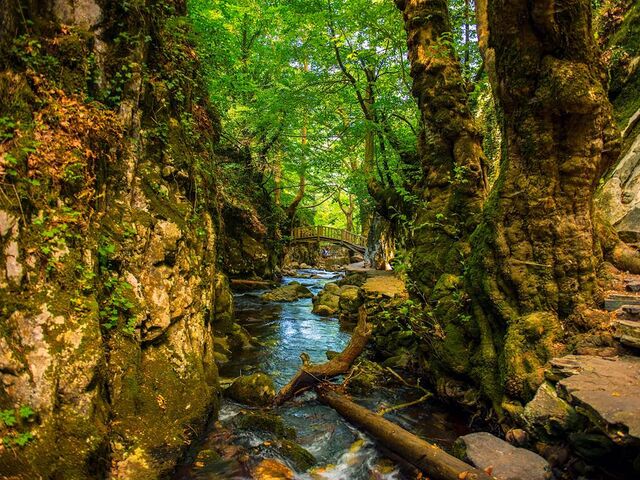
(8, 417)
(13, 424)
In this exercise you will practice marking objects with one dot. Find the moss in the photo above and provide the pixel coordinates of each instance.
(455, 349)
(255, 390)
(625, 46)
(524, 365)
(264, 422)
(301, 459)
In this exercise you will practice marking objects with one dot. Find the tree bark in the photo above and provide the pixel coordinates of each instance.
(533, 268)
(453, 187)
(293, 206)
(309, 375)
(431, 460)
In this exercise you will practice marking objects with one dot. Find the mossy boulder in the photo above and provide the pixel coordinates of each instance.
(301, 459)
(287, 293)
(549, 414)
(257, 421)
(350, 298)
(327, 302)
(254, 390)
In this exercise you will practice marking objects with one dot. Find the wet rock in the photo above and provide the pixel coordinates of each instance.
(264, 422)
(507, 462)
(548, 414)
(254, 390)
(301, 458)
(271, 469)
(607, 390)
(287, 293)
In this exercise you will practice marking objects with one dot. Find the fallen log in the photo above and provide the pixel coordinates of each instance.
(309, 375)
(433, 461)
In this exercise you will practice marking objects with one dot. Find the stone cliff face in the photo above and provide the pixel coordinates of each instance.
(110, 290)
(620, 196)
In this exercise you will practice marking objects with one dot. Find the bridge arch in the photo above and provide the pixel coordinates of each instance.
(352, 241)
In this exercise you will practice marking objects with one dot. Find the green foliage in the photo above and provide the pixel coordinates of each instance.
(13, 425)
(272, 70)
(8, 417)
(118, 306)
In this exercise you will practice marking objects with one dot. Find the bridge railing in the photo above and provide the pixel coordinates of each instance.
(320, 232)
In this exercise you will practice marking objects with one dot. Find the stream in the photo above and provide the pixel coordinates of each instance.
(342, 451)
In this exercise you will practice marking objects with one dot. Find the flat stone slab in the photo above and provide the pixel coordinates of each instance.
(627, 328)
(607, 390)
(506, 462)
(384, 284)
(615, 301)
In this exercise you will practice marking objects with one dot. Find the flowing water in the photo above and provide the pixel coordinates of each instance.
(343, 452)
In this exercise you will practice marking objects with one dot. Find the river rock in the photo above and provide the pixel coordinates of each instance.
(327, 302)
(270, 469)
(264, 422)
(287, 293)
(549, 414)
(254, 390)
(299, 457)
(607, 390)
(507, 462)
(350, 298)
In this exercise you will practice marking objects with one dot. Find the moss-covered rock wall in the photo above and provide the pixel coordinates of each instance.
(619, 197)
(110, 285)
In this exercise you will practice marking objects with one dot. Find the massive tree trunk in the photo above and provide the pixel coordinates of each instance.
(453, 185)
(533, 268)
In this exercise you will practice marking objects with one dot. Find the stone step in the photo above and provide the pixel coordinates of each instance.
(607, 388)
(633, 311)
(505, 461)
(627, 332)
(629, 341)
(632, 286)
(618, 300)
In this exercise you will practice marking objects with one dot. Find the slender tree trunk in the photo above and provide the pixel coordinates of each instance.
(453, 186)
(467, 32)
(277, 180)
(293, 206)
(533, 268)
(347, 210)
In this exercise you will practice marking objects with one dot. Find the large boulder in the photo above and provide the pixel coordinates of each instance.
(327, 302)
(256, 390)
(549, 414)
(350, 298)
(607, 391)
(507, 462)
(287, 293)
